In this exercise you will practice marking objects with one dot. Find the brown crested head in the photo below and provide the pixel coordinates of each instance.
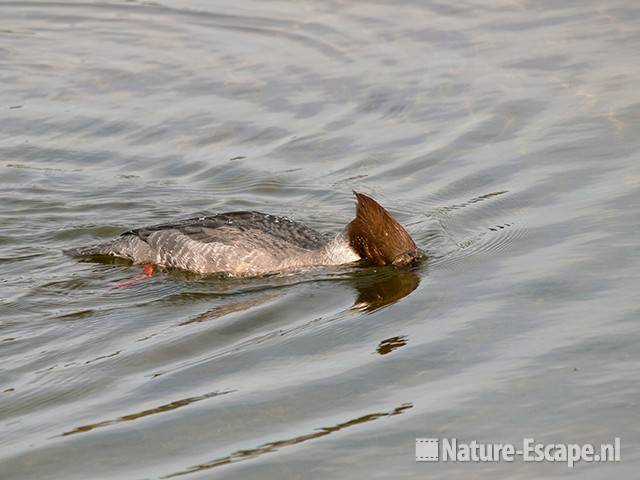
(377, 237)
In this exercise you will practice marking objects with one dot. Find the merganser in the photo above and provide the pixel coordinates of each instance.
(254, 243)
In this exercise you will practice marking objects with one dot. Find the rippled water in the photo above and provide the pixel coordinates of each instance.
(505, 135)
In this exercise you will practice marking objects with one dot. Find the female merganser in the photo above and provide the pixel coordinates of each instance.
(253, 243)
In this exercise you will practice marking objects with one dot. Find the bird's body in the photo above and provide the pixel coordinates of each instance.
(254, 243)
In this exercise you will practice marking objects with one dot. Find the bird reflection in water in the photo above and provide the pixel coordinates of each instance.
(390, 344)
(374, 291)
(377, 291)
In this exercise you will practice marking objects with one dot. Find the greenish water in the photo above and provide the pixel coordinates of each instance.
(505, 135)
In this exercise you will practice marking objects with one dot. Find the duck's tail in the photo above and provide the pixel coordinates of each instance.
(99, 250)
(126, 246)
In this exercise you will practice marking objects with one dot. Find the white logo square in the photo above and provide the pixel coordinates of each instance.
(427, 449)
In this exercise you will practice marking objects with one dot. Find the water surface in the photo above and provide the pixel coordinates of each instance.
(505, 135)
